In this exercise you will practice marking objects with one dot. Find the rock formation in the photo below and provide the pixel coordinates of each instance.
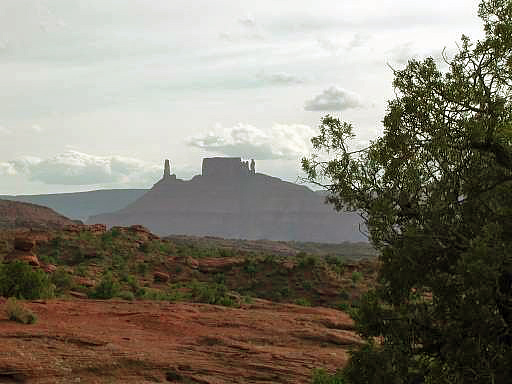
(229, 199)
(167, 169)
(23, 251)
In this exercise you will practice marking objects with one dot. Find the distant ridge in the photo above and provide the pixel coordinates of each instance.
(230, 200)
(14, 214)
(81, 205)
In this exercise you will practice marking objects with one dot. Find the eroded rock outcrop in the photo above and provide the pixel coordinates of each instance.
(23, 251)
(136, 342)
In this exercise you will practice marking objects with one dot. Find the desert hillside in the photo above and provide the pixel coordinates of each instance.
(17, 215)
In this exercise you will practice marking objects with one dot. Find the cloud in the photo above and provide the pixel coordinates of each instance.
(37, 128)
(77, 168)
(337, 47)
(4, 130)
(247, 21)
(280, 78)
(401, 54)
(282, 141)
(333, 99)
(358, 40)
(7, 169)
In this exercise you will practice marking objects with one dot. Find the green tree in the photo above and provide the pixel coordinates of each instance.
(435, 191)
(20, 280)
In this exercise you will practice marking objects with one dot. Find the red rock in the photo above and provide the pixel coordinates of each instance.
(73, 228)
(89, 283)
(142, 231)
(161, 277)
(26, 256)
(24, 243)
(49, 268)
(78, 295)
(289, 265)
(219, 264)
(97, 228)
(260, 343)
(192, 263)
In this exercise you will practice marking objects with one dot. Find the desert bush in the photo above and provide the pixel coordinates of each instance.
(250, 268)
(126, 295)
(16, 312)
(303, 301)
(320, 376)
(62, 280)
(18, 279)
(356, 277)
(146, 247)
(211, 294)
(142, 268)
(107, 288)
(307, 285)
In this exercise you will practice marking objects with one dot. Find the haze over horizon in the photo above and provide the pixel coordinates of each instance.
(95, 94)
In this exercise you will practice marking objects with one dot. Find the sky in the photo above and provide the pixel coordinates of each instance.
(97, 93)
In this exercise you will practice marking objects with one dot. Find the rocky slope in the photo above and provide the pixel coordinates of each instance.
(24, 215)
(157, 342)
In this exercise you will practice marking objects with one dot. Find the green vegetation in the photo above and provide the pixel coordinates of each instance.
(211, 294)
(121, 263)
(356, 277)
(435, 191)
(20, 280)
(16, 312)
(107, 288)
(320, 376)
(62, 281)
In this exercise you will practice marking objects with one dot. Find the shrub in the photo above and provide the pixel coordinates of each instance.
(146, 247)
(62, 280)
(307, 285)
(303, 301)
(211, 294)
(107, 288)
(356, 276)
(18, 279)
(16, 312)
(320, 376)
(126, 295)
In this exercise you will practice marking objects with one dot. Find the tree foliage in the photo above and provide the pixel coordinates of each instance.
(435, 191)
(20, 280)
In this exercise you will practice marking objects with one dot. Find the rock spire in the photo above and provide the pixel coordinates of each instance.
(167, 168)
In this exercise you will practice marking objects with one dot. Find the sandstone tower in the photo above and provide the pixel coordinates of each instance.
(167, 169)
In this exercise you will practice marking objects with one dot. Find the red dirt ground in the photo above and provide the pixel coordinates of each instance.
(87, 341)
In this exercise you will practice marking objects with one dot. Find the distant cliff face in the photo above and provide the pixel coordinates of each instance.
(81, 205)
(231, 200)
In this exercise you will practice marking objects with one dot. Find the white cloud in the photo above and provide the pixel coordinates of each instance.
(333, 99)
(37, 128)
(358, 40)
(280, 78)
(247, 21)
(282, 141)
(7, 169)
(402, 53)
(4, 130)
(77, 168)
(337, 46)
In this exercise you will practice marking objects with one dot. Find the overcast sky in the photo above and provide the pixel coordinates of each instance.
(96, 93)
